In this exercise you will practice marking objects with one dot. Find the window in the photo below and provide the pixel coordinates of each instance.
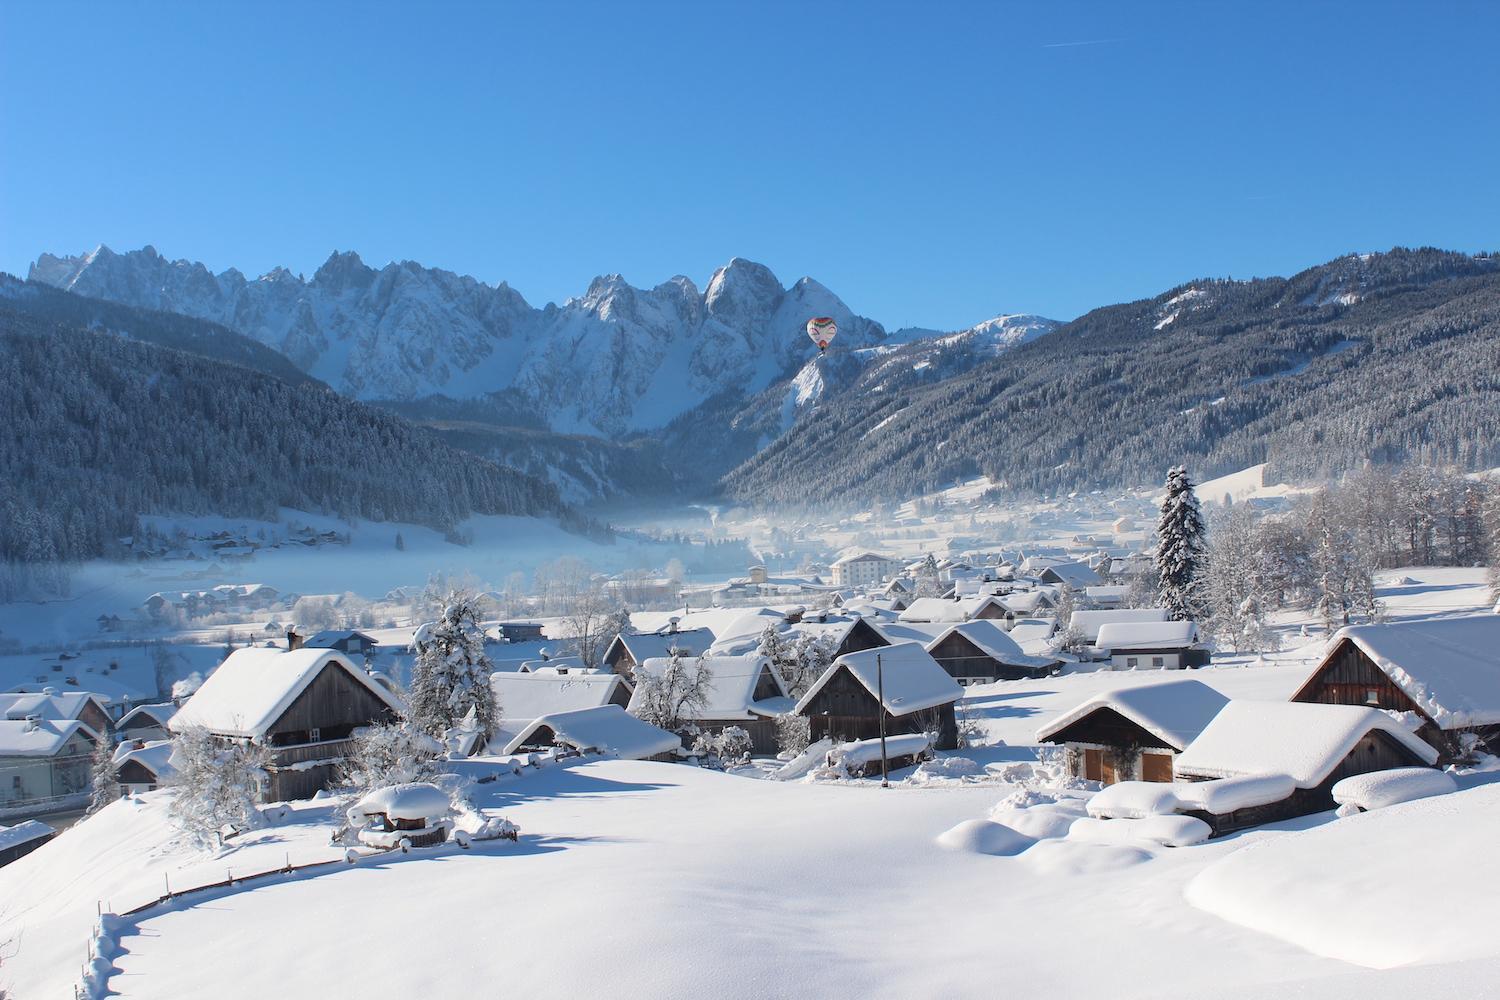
(315, 736)
(1372, 696)
(1132, 662)
(1157, 661)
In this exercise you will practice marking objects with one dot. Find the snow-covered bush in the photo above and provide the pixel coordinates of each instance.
(793, 734)
(728, 748)
(389, 755)
(217, 783)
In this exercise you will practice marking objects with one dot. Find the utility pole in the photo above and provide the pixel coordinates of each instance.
(885, 777)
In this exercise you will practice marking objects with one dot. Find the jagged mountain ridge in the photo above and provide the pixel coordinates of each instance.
(1370, 357)
(614, 361)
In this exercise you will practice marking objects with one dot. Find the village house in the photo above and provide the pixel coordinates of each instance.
(1151, 645)
(1087, 623)
(304, 704)
(1445, 671)
(864, 570)
(524, 697)
(20, 840)
(627, 651)
(603, 729)
(518, 631)
(44, 762)
(1027, 603)
(146, 722)
(978, 652)
(743, 691)
(142, 765)
(1073, 575)
(1134, 733)
(59, 706)
(353, 644)
(845, 703)
(1260, 762)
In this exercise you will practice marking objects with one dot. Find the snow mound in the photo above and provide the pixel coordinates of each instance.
(1226, 795)
(983, 836)
(1379, 789)
(1068, 857)
(1133, 800)
(944, 769)
(1168, 831)
(1331, 891)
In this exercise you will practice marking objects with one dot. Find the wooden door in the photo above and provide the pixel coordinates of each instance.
(1156, 767)
(1111, 775)
(1093, 765)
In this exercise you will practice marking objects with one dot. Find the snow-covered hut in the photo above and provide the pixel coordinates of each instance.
(525, 697)
(1444, 671)
(1259, 762)
(303, 703)
(142, 765)
(919, 695)
(146, 722)
(1088, 622)
(1133, 733)
(23, 838)
(980, 651)
(605, 729)
(418, 814)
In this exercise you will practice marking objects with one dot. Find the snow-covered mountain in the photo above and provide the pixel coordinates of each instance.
(615, 360)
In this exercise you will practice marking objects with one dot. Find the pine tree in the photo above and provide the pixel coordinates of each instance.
(400, 543)
(105, 788)
(451, 675)
(928, 582)
(1180, 547)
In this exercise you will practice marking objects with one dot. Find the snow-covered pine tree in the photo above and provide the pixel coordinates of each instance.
(104, 788)
(217, 785)
(451, 674)
(1180, 547)
(928, 582)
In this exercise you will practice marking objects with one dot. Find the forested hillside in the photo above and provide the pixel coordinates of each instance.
(96, 428)
(1387, 357)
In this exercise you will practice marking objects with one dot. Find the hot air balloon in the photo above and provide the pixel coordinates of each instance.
(822, 330)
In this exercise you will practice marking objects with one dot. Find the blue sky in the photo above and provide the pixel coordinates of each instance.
(932, 163)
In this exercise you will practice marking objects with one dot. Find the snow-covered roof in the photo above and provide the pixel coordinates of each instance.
(1090, 622)
(1378, 789)
(418, 800)
(1147, 635)
(933, 609)
(23, 833)
(49, 703)
(1227, 795)
(608, 727)
(524, 697)
(1026, 602)
(1303, 741)
(253, 687)
(326, 638)
(154, 755)
(1074, 574)
(1449, 666)
(146, 715)
(913, 679)
(1032, 629)
(1175, 712)
(44, 738)
(742, 635)
(993, 641)
(861, 555)
(644, 646)
(731, 684)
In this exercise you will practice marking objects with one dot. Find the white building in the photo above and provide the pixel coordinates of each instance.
(864, 569)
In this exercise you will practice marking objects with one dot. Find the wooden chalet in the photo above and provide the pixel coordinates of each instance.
(1445, 671)
(1133, 734)
(919, 696)
(743, 691)
(304, 704)
(627, 651)
(1261, 762)
(980, 651)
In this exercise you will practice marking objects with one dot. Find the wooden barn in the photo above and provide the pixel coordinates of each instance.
(1446, 671)
(919, 696)
(23, 838)
(146, 722)
(524, 697)
(59, 706)
(980, 651)
(605, 729)
(743, 691)
(304, 704)
(1260, 762)
(1133, 734)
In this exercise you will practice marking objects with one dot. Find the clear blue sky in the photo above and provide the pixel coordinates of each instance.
(932, 163)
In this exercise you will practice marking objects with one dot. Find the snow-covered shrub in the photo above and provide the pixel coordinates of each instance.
(389, 755)
(793, 734)
(217, 783)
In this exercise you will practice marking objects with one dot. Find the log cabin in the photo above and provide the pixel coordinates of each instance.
(743, 691)
(1261, 762)
(1444, 671)
(304, 704)
(1133, 734)
(843, 704)
(980, 651)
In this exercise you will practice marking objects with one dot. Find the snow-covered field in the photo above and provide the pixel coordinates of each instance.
(658, 880)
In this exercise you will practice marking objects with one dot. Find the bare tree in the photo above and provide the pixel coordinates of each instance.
(217, 785)
(673, 696)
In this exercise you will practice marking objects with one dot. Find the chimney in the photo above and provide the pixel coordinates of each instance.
(293, 640)
(672, 625)
(31, 722)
